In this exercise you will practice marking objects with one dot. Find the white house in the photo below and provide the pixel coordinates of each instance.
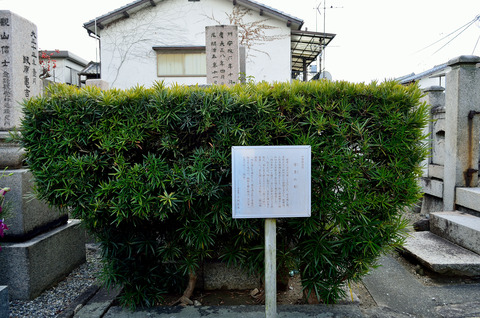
(139, 39)
(67, 66)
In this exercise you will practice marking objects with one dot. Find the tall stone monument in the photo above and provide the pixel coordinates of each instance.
(41, 246)
(222, 50)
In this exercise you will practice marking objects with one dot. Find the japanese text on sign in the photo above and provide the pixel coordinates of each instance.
(222, 54)
(271, 181)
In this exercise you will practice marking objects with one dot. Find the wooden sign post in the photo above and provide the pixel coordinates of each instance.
(271, 182)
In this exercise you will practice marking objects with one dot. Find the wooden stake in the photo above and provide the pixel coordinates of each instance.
(270, 268)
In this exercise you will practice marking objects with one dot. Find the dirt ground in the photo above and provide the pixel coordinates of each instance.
(294, 293)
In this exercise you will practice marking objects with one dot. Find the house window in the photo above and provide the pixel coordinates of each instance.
(184, 61)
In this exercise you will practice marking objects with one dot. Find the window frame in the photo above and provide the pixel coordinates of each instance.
(159, 50)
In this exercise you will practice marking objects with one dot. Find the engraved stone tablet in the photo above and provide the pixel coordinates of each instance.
(222, 54)
(18, 67)
(271, 181)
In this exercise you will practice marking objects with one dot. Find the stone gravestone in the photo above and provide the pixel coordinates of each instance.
(41, 246)
(222, 50)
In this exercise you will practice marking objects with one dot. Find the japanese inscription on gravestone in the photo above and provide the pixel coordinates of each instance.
(18, 66)
(222, 54)
(271, 181)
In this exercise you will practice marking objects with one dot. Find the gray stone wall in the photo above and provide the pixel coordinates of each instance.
(454, 134)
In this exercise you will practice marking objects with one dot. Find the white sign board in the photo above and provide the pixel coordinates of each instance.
(271, 181)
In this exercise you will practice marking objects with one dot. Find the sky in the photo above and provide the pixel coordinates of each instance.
(375, 39)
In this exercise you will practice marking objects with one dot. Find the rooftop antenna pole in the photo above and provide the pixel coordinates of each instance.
(323, 42)
(319, 60)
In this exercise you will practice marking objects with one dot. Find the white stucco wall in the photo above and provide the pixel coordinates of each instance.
(127, 57)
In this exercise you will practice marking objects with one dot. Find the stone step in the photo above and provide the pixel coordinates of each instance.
(442, 256)
(460, 228)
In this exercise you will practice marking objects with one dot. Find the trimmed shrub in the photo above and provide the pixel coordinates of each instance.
(149, 172)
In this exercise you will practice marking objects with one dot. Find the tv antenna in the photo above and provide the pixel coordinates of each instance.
(318, 8)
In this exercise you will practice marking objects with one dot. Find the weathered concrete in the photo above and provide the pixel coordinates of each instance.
(435, 171)
(430, 204)
(432, 187)
(99, 304)
(31, 267)
(460, 228)
(4, 310)
(441, 255)
(435, 97)
(468, 198)
(392, 285)
(462, 98)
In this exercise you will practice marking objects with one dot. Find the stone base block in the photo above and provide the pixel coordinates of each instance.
(4, 310)
(11, 153)
(31, 267)
(98, 83)
(431, 204)
(29, 217)
(460, 228)
(442, 256)
(219, 276)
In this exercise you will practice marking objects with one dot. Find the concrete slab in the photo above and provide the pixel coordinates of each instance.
(460, 228)
(441, 255)
(99, 304)
(393, 286)
(468, 197)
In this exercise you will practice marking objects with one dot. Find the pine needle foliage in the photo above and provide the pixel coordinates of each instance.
(149, 173)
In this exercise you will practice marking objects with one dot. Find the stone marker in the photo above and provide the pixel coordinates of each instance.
(40, 248)
(98, 83)
(222, 50)
(19, 66)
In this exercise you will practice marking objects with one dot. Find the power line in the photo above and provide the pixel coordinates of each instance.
(464, 27)
(476, 45)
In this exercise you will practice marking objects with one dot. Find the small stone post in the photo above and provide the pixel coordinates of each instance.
(434, 97)
(433, 166)
(462, 115)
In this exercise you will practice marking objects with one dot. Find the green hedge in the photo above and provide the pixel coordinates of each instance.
(148, 170)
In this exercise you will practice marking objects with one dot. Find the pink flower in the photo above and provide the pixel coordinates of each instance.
(3, 227)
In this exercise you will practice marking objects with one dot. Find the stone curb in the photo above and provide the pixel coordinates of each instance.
(79, 302)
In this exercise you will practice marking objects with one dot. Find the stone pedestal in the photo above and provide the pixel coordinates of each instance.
(4, 310)
(30, 267)
(29, 216)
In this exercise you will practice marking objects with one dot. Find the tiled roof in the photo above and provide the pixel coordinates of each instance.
(415, 77)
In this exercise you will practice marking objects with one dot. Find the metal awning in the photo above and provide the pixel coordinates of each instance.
(306, 46)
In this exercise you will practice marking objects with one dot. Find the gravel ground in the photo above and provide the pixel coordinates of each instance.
(54, 300)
